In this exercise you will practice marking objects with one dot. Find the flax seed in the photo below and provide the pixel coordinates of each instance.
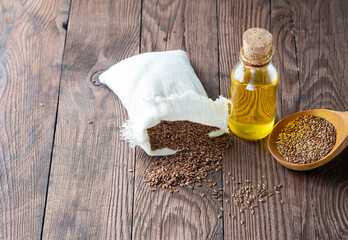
(306, 147)
(191, 165)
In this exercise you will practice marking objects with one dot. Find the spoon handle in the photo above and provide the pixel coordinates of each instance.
(344, 116)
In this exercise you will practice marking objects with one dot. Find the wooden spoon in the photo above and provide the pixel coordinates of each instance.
(338, 119)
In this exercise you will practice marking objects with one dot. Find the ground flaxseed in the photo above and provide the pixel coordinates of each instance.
(306, 139)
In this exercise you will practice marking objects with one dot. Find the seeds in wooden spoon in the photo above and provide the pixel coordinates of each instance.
(306, 139)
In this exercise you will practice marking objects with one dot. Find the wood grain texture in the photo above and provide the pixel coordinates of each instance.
(29, 80)
(299, 218)
(90, 195)
(190, 26)
(321, 39)
(285, 58)
(320, 30)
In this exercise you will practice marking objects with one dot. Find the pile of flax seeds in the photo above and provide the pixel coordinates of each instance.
(198, 156)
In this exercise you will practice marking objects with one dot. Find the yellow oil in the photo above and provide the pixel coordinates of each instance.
(253, 95)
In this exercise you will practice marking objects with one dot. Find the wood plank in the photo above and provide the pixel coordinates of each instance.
(234, 18)
(303, 221)
(320, 29)
(90, 195)
(186, 25)
(298, 218)
(29, 83)
(321, 37)
(252, 160)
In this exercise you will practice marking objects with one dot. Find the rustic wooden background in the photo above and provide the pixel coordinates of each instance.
(62, 178)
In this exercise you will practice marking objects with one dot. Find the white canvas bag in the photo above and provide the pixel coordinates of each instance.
(159, 86)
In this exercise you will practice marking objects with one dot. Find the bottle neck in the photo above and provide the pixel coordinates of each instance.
(256, 63)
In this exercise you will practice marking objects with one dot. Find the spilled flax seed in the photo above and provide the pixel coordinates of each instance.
(199, 154)
(306, 139)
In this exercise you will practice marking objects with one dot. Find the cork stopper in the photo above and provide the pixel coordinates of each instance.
(257, 43)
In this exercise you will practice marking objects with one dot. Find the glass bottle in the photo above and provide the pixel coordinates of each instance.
(253, 88)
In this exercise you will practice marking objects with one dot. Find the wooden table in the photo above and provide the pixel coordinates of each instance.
(65, 178)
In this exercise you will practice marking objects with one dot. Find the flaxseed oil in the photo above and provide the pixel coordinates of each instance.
(253, 94)
(253, 88)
